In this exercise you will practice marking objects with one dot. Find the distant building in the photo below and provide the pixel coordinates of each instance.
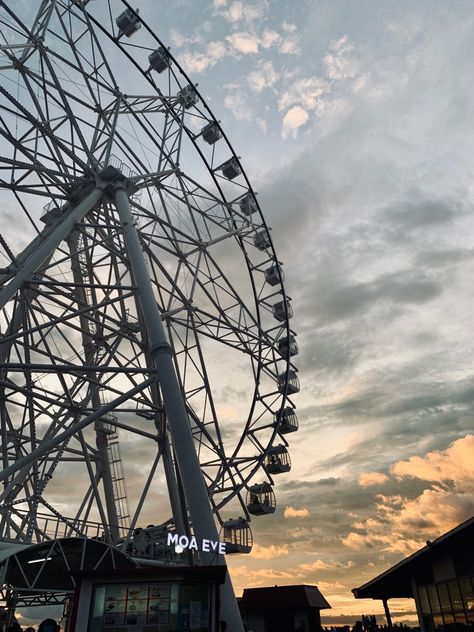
(439, 577)
(283, 609)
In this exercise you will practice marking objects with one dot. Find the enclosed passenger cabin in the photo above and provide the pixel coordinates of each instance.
(261, 499)
(211, 133)
(248, 204)
(286, 421)
(237, 536)
(287, 345)
(188, 96)
(274, 274)
(128, 22)
(277, 460)
(231, 168)
(262, 240)
(283, 310)
(159, 59)
(293, 383)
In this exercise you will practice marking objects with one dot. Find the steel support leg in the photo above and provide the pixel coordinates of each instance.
(183, 442)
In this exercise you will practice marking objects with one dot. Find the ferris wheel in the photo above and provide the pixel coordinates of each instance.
(146, 360)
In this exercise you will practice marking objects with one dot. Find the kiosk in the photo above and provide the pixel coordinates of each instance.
(151, 599)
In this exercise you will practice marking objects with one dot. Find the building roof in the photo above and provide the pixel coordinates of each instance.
(49, 566)
(396, 581)
(282, 598)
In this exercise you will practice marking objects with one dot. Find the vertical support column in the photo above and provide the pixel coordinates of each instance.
(103, 465)
(387, 612)
(419, 608)
(183, 442)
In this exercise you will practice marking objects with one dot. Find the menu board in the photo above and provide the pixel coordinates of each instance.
(150, 607)
(136, 608)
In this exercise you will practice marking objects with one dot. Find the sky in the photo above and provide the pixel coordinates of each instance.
(354, 122)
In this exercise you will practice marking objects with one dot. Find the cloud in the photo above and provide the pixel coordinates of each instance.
(294, 119)
(402, 524)
(264, 76)
(291, 512)
(369, 479)
(320, 565)
(268, 552)
(307, 92)
(269, 38)
(288, 27)
(196, 62)
(237, 102)
(242, 42)
(290, 45)
(340, 61)
(456, 463)
(339, 299)
(238, 11)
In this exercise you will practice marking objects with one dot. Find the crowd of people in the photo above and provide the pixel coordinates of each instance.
(48, 625)
(368, 623)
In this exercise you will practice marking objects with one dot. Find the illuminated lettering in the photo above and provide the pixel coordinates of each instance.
(172, 538)
(181, 542)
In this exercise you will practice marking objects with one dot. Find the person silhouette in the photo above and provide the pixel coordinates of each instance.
(49, 625)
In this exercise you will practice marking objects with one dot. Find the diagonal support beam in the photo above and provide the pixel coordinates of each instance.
(25, 462)
(45, 249)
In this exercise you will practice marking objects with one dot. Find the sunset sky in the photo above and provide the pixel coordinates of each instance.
(355, 123)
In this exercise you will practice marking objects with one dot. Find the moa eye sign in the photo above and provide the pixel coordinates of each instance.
(204, 545)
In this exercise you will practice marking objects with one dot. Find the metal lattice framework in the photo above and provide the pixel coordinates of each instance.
(104, 140)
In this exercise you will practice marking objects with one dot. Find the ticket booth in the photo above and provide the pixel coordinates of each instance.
(150, 599)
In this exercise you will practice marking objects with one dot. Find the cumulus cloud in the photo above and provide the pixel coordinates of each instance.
(402, 524)
(369, 479)
(291, 512)
(238, 11)
(264, 76)
(243, 42)
(269, 38)
(290, 45)
(456, 463)
(268, 552)
(196, 62)
(307, 92)
(294, 119)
